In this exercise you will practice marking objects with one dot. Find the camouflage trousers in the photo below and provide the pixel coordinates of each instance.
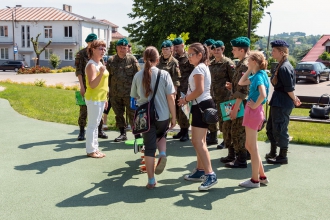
(234, 134)
(217, 126)
(119, 105)
(82, 120)
(182, 119)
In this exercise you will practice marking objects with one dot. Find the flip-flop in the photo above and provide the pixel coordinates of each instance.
(160, 165)
(95, 155)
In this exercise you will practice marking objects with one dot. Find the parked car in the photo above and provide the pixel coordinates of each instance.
(141, 62)
(13, 65)
(312, 71)
(137, 56)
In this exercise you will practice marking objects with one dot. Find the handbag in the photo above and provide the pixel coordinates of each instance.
(320, 112)
(145, 114)
(209, 115)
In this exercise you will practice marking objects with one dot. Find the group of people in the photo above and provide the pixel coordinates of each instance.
(206, 78)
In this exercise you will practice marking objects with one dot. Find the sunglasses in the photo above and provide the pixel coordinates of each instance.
(191, 54)
(102, 48)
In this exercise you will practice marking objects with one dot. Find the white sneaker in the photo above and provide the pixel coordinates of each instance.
(264, 182)
(249, 184)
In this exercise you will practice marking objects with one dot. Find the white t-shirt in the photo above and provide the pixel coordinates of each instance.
(203, 70)
(165, 87)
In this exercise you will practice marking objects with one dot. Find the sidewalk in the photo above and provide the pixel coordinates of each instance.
(45, 174)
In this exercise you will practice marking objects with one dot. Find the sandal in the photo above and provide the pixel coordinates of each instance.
(151, 186)
(99, 152)
(95, 155)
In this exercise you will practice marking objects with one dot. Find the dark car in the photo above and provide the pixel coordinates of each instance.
(312, 71)
(13, 65)
(141, 63)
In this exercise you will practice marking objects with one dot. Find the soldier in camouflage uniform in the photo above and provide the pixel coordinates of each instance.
(234, 132)
(222, 71)
(185, 69)
(81, 60)
(122, 68)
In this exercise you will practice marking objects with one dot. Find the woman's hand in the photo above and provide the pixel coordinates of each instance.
(106, 105)
(233, 114)
(251, 104)
(182, 102)
(102, 69)
(173, 123)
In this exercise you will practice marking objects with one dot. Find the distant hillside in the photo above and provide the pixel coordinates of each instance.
(299, 43)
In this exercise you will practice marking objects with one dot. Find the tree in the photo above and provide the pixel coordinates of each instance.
(112, 48)
(35, 44)
(54, 60)
(325, 56)
(203, 19)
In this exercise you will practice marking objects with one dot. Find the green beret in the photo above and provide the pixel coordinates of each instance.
(90, 38)
(177, 41)
(122, 42)
(218, 43)
(166, 43)
(240, 42)
(209, 42)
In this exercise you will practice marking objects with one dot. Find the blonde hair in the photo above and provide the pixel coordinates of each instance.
(285, 52)
(259, 58)
(95, 44)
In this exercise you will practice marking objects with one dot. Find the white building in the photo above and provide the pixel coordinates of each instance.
(66, 30)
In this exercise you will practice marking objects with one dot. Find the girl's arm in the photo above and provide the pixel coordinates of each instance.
(261, 98)
(244, 81)
(199, 83)
(171, 105)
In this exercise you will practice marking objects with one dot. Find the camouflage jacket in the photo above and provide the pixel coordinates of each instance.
(185, 70)
(237, 90)
(171, 65)
(121, 75)
(221, 72)
(81, 60)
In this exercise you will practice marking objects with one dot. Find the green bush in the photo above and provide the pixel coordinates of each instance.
(54, 60)
(40, 82)
(68, 69)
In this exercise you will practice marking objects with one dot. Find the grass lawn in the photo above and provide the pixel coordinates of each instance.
(58, 105)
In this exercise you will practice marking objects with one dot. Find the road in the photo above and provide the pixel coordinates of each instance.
(69, 79)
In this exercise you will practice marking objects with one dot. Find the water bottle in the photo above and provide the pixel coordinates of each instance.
(133, 103)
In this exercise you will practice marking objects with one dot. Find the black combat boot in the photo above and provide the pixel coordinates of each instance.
(122, 136)
(221, 146)
(231, 156)
(81, 135)
(178, 135)
(185, 135)
(213, 138)
(272, 153)
(102, 134)
(248, 155)
(240, 161)
(280, 159)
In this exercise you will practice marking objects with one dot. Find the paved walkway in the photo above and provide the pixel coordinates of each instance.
(45, 174)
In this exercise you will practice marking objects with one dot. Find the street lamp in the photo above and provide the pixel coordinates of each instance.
(270, 27)
(12, 16)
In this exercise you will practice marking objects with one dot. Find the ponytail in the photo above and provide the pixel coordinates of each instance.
(150, 55)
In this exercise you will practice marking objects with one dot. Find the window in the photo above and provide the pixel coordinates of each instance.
(23, 35)
(48, 31)
(28, 40)
(48, 52)
(68, 55)
(327, 49)
(4, 53)
(3, 31)
(68, 31)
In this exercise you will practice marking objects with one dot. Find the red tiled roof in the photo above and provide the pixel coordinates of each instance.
(317, 50)
(37, 14)
(325, 41)
(116, 35)
(109, 23)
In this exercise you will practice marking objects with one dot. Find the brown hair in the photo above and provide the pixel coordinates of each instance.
(95, 44)
(259, 58)
(285, 51)
(200, 48)
(150, 55)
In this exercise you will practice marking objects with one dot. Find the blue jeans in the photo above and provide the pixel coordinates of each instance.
(277, 126)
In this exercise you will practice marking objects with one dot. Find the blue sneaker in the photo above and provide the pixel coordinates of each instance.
(196, 175)
(209, 181)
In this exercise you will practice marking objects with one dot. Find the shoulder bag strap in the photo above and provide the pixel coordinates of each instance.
(156, 86)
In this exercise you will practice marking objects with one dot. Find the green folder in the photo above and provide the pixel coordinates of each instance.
(79, 99)
(226, 108)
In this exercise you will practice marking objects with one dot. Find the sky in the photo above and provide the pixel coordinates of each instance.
(287, 15)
